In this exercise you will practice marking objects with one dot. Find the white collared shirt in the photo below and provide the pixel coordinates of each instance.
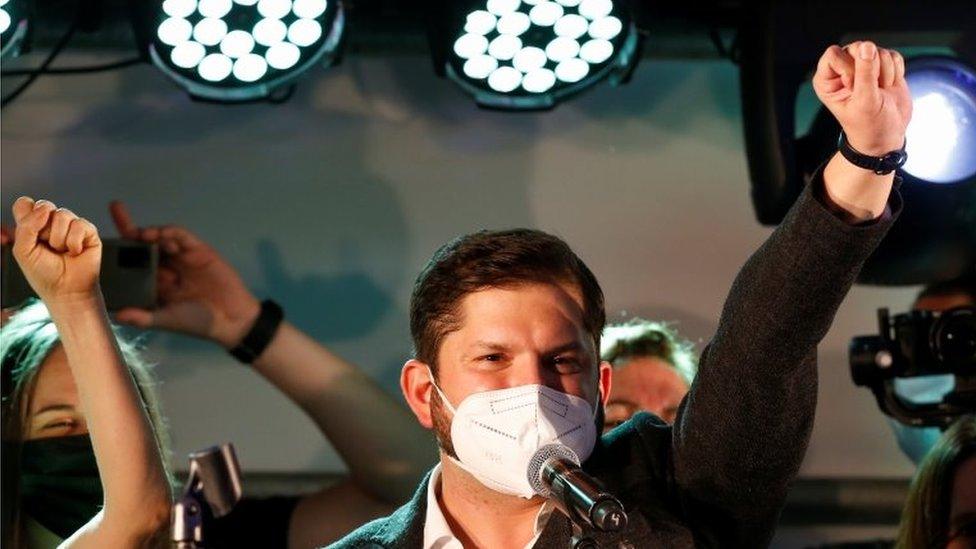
(437, 533)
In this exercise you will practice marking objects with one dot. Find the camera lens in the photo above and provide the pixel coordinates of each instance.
(870, 360)
(953, 338)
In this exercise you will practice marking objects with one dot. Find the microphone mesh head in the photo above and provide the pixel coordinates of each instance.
(543, 455)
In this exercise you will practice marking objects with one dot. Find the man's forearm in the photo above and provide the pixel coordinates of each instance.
(859, 193)
(743, 430)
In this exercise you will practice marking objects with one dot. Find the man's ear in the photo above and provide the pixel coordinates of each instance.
(417, 387)
(606, 377)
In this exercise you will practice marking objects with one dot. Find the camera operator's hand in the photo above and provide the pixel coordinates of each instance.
(864, 87)
(200, 294)
(59, 253)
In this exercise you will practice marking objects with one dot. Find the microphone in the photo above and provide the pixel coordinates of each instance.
(554, 473)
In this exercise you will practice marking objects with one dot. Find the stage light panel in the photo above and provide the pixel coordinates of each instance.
(14, 22)
(528, 54)
(242, 50)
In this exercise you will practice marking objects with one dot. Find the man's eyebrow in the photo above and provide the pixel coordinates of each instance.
(482, 347)
(494, 346)
(55, 408)
(489, 346)
(568, 346)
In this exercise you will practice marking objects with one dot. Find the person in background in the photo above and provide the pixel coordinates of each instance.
(82, 436)
(940, 512)
(387, 453)
(949, 294)
(915, 442)
(653, 368)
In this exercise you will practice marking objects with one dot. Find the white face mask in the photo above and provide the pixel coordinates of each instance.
(496, 433)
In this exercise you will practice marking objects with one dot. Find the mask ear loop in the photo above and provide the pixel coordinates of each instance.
(441, 393)
(450, 407)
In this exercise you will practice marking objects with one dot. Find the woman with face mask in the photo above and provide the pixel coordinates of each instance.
(374, 434)
(81, 464)
(51, 476)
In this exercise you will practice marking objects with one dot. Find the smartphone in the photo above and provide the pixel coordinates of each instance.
(128, 275)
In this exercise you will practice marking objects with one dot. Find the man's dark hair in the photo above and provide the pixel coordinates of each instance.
(494, 259)
(964, 285)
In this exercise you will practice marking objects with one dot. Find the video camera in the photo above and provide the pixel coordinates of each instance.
(914, 344)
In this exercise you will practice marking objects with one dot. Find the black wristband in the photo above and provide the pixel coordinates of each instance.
(881, 165)
(261, 333)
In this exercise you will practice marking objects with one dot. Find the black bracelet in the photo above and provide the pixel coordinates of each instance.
(261, 333)
(881, 165)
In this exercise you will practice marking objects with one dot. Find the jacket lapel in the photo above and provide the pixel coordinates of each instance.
(404, 529)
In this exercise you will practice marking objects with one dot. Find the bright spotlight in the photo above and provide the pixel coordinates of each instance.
(243, 50)
(530, 54)
(942, 134)
(935, 237)
(13, 26)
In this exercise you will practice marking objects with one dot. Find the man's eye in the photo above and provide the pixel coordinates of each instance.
(566, 363)
(59, 424)
(492, 357)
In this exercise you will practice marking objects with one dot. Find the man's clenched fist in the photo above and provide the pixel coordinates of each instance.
(864, 87)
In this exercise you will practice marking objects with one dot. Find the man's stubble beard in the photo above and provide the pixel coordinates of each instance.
(442, 424)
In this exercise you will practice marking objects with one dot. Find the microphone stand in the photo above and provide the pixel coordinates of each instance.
(581, 540)
(212, 488)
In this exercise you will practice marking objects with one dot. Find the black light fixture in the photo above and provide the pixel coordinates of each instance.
(239, 50)
(14, 26)
(781, 42)
(531, 54)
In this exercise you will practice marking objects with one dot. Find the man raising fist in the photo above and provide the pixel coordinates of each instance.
(506, 328)
(864, 87)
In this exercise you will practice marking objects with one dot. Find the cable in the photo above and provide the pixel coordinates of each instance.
(47, 62)
(76, 70)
